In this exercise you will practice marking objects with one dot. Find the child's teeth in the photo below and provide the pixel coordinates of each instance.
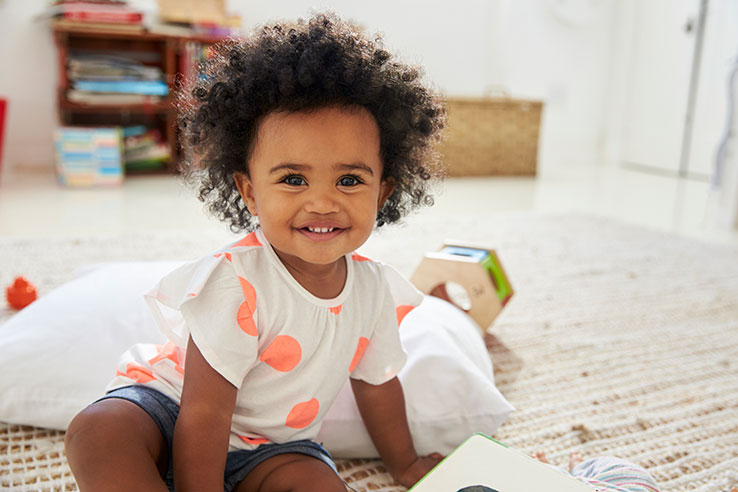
(320, 229)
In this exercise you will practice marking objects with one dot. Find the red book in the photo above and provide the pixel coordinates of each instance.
(100, 12)
(123, 17)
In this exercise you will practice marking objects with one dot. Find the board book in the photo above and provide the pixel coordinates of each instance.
(482, 464)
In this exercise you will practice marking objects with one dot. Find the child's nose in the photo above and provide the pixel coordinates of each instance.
(322, 201)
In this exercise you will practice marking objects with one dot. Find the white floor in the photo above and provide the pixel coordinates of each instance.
(32, 204)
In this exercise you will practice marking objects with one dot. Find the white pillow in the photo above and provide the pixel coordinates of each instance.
(58, 355)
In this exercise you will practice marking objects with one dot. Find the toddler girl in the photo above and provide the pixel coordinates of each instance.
(314, 131)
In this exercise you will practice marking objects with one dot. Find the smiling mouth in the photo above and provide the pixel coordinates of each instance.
(320, 230)
(320, 233)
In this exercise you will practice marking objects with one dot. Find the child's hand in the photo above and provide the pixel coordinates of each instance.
(418, 469)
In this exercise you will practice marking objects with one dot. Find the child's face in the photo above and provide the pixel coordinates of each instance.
(315, 182)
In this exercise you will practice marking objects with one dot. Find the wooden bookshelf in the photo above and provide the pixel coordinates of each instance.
(168, 52)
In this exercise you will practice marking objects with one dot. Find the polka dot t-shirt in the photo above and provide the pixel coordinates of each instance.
(287, 351)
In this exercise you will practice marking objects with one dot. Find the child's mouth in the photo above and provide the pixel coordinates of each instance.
(320, 230)
(321, 233)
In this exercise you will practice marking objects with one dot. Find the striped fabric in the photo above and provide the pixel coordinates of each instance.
(614, 474)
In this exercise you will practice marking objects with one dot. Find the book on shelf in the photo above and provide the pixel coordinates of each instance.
(104, 16)
(110, 99)
(146, 87)
(84, 65)
(99, 26)
(96, 11)
(144, 149)
(88, 156)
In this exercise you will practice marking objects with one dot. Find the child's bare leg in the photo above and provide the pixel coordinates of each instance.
(292, 472)
(113, 445)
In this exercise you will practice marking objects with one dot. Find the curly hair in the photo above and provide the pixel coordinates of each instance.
(304, 66)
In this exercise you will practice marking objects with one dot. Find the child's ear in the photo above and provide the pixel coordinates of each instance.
(246, 190)
(386, 188)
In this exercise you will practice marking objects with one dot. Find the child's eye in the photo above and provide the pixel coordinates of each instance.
(349, 181)
(293, 180)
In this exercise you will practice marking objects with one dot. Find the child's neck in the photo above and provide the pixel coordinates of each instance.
(322, 281)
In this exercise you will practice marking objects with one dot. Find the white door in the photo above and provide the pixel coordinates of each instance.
(719, 55)
(658, 84)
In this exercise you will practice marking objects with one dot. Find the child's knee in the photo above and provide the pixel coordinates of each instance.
(87, 428)
(105, 422)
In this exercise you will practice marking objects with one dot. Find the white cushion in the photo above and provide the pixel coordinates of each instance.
(58, 355)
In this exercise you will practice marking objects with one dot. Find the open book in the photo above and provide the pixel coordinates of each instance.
(482, 464)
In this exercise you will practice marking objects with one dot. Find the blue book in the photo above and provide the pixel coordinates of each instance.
(148, 87)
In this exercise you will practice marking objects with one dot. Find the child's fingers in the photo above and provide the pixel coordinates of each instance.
(540, 456)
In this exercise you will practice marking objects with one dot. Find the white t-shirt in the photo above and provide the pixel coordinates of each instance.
(287, 351)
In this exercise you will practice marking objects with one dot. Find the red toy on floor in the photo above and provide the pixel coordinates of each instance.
(20, 293)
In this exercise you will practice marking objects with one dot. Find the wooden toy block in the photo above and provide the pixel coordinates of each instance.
(477, 270)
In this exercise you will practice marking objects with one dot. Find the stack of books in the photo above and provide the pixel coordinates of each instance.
(113, 15)
(100, 79)
(144, 149)
(88, 156)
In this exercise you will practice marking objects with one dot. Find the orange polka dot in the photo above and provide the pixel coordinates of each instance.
(227, 255)
(303, 414)
(254, 440)
(168, 351)
(138, 373)
(336, 309)
(358, 257)
(245, 319)
(249, 240)
(402, 311)
(360, 349)
(283, 354)
(249, 293)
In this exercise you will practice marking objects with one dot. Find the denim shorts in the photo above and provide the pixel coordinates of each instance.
(164, 411)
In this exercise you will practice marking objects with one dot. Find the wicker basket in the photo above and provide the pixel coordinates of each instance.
(491, 136)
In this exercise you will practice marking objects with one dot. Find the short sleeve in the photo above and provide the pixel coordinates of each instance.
(384, 355)
(210, 302)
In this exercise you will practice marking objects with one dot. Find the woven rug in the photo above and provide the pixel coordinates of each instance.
(619, 341)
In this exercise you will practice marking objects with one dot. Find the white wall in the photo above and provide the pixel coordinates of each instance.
(555, 50)
(28, 78)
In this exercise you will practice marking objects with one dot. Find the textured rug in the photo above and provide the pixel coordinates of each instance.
(619, 341)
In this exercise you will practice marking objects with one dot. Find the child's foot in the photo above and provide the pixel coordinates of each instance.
(574, 459)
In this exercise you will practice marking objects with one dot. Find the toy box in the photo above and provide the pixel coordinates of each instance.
(476, 270)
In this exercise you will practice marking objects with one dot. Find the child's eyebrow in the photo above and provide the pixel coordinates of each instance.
(354, 166)
(290, 167)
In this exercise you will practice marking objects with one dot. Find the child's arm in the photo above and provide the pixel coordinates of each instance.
(203, 426)
(382, 408)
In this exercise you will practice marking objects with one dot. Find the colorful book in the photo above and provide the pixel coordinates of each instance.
(89, 156)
